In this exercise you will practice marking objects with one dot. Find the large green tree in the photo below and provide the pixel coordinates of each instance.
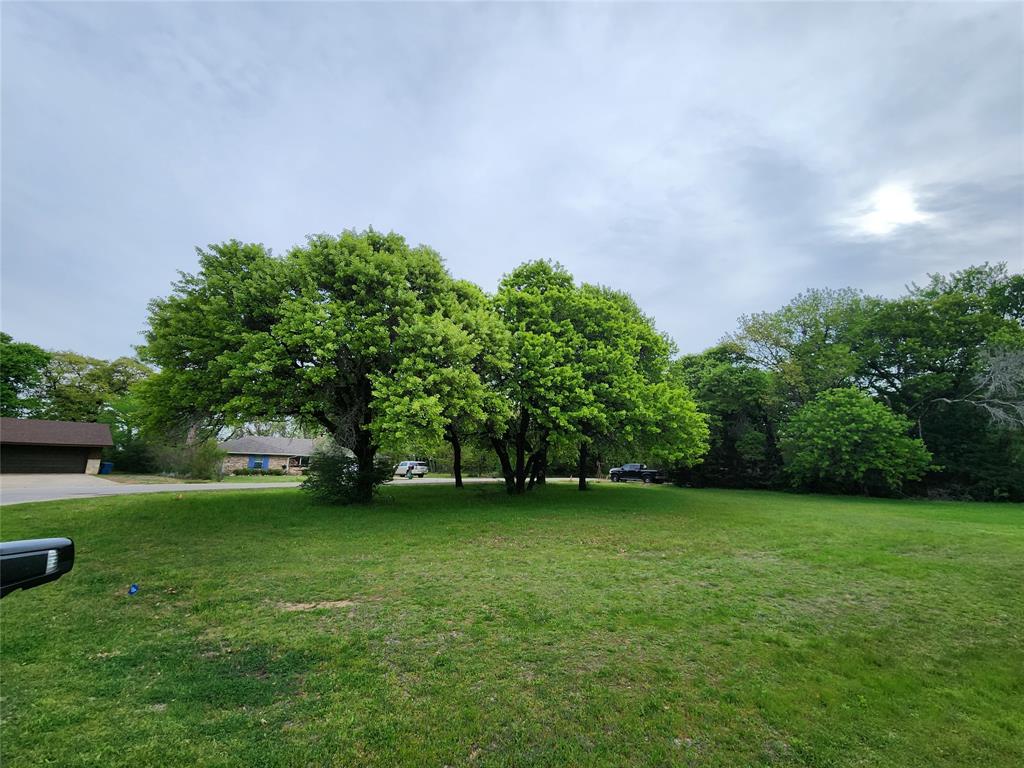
(585, 372)
(320, 334)
(634, 404)
(21, 370)
(543, 382)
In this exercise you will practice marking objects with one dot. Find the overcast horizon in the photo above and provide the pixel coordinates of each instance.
(711, 160)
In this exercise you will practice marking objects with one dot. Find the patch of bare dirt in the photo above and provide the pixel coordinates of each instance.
(291, 607)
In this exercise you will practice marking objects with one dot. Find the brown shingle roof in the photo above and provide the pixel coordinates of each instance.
(270, 446)
(40, 432)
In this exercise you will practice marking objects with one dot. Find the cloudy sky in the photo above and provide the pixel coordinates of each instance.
(709, 159)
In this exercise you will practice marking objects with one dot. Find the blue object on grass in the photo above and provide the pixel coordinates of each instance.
(106, 467)
(133, 589)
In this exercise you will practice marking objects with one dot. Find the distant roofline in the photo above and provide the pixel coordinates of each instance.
(266, 453)
(256, 444)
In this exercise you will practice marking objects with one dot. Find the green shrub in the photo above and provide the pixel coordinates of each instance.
(202, 461)
(134, 455)
(333, 477)
(845, 441)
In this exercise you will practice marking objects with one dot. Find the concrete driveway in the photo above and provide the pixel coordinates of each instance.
(19, 489)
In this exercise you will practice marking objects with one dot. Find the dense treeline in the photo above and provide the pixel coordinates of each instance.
(373, 343)
(62, 385)
(945, 359)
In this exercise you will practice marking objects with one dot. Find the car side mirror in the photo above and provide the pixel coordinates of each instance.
(27, 564)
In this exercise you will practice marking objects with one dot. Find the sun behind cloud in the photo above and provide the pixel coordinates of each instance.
(889, 207)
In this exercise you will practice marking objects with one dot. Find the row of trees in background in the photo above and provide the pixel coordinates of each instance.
(378, 345)
(839, 391)
(62, 385)
(372, 342)
(67, 386)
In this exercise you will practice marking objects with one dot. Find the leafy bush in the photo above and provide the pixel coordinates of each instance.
(134, 455)
(845, 441)
(202, 461)
(333, 477)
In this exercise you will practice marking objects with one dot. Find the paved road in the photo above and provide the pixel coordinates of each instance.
(18, 489)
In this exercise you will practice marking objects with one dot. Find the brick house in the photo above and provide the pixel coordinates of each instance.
(252, 452)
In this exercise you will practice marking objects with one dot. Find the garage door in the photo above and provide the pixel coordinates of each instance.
(41, 458)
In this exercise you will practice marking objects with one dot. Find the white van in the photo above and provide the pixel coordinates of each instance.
(412, 469)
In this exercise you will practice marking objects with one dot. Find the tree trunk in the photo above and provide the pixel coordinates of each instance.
(452, 436)
(520, 486)
(506, 465)
(536, 466)
(457, 461)
(366, 454)
(583, 467)
(532, 471)
(521, 469)
(362, 444)
(518, 468)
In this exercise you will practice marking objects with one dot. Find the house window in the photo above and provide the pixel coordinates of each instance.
(259, 462)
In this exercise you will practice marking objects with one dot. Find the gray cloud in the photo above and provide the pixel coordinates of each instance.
(702, 157)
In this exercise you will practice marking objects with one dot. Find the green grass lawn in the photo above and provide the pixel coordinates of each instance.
(134, 478)
(629, 626)
(128, 477)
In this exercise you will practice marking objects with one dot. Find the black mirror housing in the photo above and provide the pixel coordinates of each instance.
(27, 564)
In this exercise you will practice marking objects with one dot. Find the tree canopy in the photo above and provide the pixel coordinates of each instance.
(587, 370)
(21, 370)
(377, 343)
(76, 387)
(324, 333)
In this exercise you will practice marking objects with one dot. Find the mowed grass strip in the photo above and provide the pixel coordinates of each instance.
(627, 626)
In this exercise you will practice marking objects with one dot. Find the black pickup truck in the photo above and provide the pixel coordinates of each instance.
(639, 472)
